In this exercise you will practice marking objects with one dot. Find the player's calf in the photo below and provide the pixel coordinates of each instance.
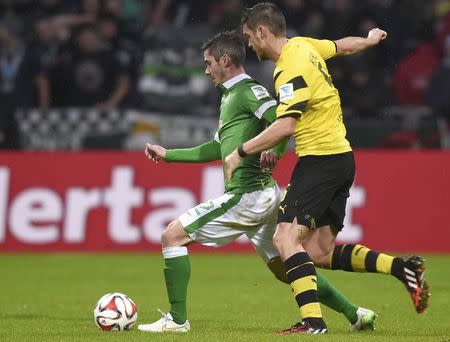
(174, 235)
(276, 266)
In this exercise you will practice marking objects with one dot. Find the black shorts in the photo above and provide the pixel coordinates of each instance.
(318, 191)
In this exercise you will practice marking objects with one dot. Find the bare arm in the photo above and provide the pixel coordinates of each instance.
(352, 45)
(43, 87)
(121, 91)
(272, 135)
(123, 86)
(279, 130)
(69, 20)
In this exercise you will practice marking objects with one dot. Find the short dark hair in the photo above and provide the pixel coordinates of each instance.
(229, 43)
(267, 14)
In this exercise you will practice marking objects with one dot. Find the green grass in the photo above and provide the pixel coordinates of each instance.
(231, 298)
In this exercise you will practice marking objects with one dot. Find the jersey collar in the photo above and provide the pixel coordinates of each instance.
(236, 79)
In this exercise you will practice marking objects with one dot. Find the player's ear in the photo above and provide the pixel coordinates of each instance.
(225, 60)
(261, 32)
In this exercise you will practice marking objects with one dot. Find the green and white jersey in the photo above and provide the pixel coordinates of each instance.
(246, 109)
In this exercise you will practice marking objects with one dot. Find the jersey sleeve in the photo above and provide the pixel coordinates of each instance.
(259, 102)
(326, 48)
(292, 91)
(206, 152)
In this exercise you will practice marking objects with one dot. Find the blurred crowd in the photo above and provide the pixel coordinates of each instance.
(144, 54)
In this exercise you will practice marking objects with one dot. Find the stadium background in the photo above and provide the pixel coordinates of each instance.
(77, 76)
(83, 86)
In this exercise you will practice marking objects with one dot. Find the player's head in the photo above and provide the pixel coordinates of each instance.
(221, 53)
(260, 24)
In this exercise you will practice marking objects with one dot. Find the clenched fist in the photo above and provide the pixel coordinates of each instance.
(155, 152)
(376, 35)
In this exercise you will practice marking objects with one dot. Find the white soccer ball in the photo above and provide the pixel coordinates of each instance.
(115, 312)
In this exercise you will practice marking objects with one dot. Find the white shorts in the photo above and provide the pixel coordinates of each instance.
(224, 219)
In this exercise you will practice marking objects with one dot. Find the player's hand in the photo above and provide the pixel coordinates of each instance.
(231, 163)
(104, 107)
(268, 160)
(155, 152)
(376, 35)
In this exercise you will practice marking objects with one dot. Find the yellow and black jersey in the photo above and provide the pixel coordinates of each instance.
(305, 91)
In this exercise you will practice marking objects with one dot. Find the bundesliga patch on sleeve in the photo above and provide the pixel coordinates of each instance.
(260, 92)
(286, 91)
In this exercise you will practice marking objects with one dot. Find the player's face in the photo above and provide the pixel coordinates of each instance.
(255, 42)
(214, 69)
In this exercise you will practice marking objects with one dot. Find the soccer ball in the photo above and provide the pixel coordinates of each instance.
(115, 311)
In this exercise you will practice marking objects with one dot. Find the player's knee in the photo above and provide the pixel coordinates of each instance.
(278, 240)
(281, 238)
(168, 236)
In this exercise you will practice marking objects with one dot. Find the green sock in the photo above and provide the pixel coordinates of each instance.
(177, 273)
(335, 300)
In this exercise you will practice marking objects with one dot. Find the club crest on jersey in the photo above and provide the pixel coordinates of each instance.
(286, 91)
(260, 92)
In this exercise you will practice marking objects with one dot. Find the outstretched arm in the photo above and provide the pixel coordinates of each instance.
(280, 130)
(206, 152)
(352, 45)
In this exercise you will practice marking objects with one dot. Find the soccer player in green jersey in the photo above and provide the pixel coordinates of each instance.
(250, 203)
(309, 109)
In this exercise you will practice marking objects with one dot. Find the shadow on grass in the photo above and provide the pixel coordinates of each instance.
(37, 316)
(227, 327)
(24, 316)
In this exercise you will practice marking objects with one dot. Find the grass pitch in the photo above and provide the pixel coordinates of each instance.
(231, 298)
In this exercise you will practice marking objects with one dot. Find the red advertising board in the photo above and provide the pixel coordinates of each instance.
(119, 201)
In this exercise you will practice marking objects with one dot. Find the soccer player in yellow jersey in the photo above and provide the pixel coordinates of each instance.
(313, 208)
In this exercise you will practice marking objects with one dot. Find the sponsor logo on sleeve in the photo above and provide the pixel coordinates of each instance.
(260, 92)
(286, 91)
